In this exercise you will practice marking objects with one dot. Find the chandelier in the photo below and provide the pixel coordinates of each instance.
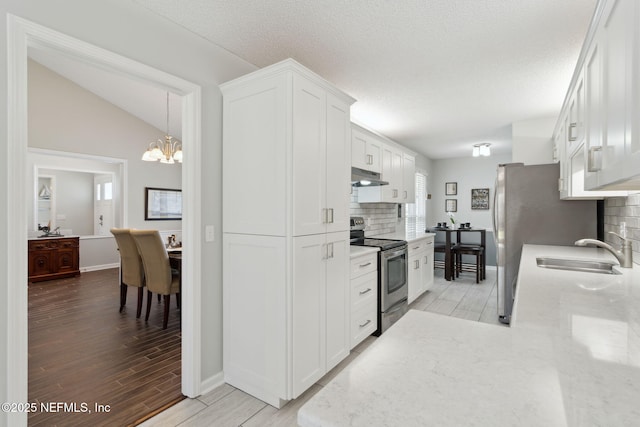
(168, 151)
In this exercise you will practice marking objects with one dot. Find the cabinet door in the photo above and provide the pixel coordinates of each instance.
(359, 157)
(337, 298)
(40, 262)
(397, 177)
(427, 267)
(388, 174)
(338, 161)
(593, 114)
(309, 158)
(309, 314)
(409, 178)
(374, 154)
(414, 276)
(617, 32)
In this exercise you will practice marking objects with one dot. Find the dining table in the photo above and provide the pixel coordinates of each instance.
(448, 253)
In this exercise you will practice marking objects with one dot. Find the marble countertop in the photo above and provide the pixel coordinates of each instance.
(570, 358)
(403, 235)
(357, 251)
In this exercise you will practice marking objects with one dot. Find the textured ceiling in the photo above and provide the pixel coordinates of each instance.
(434, 75)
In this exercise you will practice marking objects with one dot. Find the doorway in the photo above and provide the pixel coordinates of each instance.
(22, 35)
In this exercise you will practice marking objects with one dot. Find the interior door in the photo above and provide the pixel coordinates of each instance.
(102, 204)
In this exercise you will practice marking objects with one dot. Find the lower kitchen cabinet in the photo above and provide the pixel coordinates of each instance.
(286, 316)
(364, 297)
(420, 277)
(54, 258)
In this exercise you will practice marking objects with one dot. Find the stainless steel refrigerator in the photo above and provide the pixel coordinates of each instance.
(527, 209)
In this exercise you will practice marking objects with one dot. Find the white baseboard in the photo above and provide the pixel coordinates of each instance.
(99, 267)
(212, 382)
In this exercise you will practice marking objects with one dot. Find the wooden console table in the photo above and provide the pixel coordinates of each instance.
(53, 258)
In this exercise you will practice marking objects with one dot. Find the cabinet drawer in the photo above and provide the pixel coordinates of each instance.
(417, 246)
(364, 264)
(363, 290)
(364, 322)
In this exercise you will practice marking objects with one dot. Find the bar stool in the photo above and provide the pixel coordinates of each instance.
(439, 247)
(469, 249)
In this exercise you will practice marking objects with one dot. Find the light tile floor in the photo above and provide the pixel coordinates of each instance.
(228, 406)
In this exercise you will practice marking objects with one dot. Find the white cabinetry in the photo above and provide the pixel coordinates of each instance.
(321, 308)
(420, 267)
(408, 178)
(605, 90)
(364, 297)
(366, 150)
(286, 188)
(398, 169)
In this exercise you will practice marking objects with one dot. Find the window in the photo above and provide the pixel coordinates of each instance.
(416, 218)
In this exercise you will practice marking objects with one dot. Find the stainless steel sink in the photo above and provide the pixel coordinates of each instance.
(582, 265)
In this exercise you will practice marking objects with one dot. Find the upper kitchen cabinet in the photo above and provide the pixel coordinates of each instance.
(366, 150)
(287, 153)
(601, 139)
(398, 169)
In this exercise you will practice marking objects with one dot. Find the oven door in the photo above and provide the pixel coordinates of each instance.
(393, 277)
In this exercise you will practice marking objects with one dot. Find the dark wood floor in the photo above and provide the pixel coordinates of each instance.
(82, 350)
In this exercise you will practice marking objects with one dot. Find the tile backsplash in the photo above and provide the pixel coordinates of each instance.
(380, 217)
(627, 210)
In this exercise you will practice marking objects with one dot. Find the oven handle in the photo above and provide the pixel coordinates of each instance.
(390, 254)
(397, 306)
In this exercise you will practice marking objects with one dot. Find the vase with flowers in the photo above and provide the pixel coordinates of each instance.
(452, 219)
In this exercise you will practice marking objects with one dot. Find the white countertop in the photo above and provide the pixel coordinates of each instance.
(357, 251)
(571, 358)
(403, 235)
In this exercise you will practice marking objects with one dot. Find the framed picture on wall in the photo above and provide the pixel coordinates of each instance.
(480, 198)
(162, 204)
(451, 205)
(451, 189)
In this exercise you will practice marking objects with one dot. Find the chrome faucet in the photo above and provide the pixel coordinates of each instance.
(624, 255)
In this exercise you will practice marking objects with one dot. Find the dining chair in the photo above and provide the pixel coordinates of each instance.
(159, 276)
(131, 269)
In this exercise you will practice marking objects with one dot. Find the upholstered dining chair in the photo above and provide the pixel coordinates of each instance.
(159, 276)
(131, 269)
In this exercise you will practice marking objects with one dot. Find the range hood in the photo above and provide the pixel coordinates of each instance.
(363, 178)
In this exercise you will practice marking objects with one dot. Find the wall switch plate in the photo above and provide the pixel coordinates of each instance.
(209, 233)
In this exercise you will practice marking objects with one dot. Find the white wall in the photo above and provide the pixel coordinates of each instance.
(469, 173)
(532, 141)
(123, 27)
(66, 117)
(74, 200)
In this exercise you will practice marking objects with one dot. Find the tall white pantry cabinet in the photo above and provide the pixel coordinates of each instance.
(286, 192)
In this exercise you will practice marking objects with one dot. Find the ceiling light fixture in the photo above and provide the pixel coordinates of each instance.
(481, 150)
(168, 151)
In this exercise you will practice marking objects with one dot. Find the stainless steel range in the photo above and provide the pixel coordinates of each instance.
(392, 274)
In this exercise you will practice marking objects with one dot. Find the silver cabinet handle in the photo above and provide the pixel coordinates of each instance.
(331, 250)
(416, 264)
(593, 164)
(369, 159)
(426, 259)
(325, 215)
(325, 249)
(365, 323)
(365, 265)
(572, 128)
(330, 215)
(395, 193)
(406, 194)
(417, 247)
(366, 291)
(560, 182)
